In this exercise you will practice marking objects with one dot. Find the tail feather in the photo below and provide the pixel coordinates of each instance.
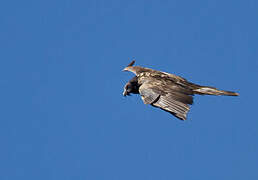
(205, 90)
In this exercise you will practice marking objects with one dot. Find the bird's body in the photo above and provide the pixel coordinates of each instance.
(167, 91)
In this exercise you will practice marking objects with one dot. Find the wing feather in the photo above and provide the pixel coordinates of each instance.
(175, 107)
(148, 94)
(166, 97)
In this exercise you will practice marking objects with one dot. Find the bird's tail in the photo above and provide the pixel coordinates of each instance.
(206, 90)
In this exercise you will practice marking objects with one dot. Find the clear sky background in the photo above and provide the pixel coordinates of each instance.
(63, 115)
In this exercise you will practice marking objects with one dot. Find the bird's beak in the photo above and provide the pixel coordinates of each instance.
(125, 93)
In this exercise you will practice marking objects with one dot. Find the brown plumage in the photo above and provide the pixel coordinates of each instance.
(166, 91)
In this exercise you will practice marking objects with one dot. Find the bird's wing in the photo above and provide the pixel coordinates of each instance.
(179, 80)
(166, 97)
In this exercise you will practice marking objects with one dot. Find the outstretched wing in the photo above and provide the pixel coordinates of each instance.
(167, 96)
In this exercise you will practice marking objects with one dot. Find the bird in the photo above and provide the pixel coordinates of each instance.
(169, 92)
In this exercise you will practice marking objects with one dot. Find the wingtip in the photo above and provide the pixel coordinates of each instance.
(131, 63)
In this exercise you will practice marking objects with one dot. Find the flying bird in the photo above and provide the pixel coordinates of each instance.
(166, 91)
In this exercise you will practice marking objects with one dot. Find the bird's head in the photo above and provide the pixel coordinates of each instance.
(131, 87)
(126, 91)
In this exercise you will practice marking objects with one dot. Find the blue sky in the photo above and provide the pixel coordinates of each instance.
(63, 115)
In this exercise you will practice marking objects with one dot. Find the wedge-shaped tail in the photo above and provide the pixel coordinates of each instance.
(206, 90)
